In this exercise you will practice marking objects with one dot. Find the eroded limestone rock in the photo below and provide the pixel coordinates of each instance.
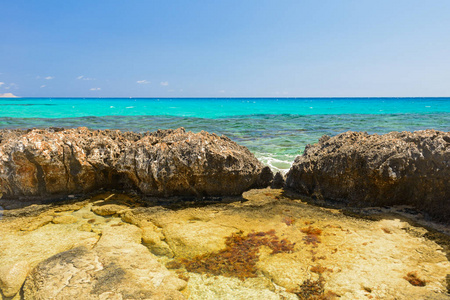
(119, 266)
(12, 277)
(355, 258)
(64, 219)
(108, 209)
(349, 254)
(57, 162)
(395, 168)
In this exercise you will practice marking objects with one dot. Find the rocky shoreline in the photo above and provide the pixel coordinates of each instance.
(59, 162)
(399, 168)
(352, 168)
(193, 226)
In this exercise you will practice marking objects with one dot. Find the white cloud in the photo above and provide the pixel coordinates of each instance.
(2, 83)
(95, 89)
(164, 83)
(84, 78)
(43, 86)
(49, 77)
(222, 91)
(143, 81)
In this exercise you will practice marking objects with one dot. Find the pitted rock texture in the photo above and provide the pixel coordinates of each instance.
(141, 252)
(58, 162)
(118, 267)
(395, 168)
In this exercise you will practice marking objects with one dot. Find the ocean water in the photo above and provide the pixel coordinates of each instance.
(275, 130)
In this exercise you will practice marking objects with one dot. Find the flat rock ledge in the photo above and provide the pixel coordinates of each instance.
(46, 163)
(269, 246)
(392, 169)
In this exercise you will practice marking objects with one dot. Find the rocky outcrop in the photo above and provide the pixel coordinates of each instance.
(58, 162)
(278, 181)
(395, 168)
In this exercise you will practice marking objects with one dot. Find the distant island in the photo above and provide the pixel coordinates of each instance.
(8, 95)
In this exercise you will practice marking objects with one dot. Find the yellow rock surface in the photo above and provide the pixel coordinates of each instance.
(354, 258)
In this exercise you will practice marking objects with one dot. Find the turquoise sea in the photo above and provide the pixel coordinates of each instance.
(275, 130)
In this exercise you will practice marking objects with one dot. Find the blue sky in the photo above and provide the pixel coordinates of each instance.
(225, 48)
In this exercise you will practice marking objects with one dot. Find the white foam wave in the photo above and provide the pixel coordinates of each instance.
(276, 163)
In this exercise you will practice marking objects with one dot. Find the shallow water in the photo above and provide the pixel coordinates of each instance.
(275, 130)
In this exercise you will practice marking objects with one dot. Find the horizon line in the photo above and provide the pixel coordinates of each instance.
(327, 97)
